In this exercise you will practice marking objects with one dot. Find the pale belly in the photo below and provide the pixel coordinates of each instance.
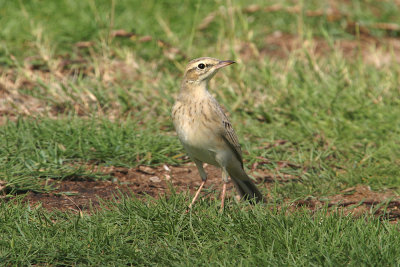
(200, 142)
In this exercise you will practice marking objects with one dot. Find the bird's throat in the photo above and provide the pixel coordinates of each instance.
(194, 90)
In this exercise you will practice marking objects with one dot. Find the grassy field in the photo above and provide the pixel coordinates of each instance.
(316, 85)
(160, 233)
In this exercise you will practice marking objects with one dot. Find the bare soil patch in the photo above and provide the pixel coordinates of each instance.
(357, 201)
(138, 182)
(141, 181)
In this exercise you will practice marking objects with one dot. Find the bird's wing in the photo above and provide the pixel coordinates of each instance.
(231, 139)
(228, 133)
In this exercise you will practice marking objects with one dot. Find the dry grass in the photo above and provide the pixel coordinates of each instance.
(53, 86)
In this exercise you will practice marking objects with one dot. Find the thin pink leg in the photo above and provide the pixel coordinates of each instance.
(223, 196)
(197, 194)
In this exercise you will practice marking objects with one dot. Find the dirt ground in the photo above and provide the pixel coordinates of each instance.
(79, 196)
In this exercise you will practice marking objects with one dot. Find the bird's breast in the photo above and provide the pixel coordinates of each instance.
(197, 131)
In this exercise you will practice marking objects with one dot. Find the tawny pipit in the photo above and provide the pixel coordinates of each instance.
(205, 131)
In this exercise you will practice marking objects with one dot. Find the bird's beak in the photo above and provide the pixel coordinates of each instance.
(224, 63)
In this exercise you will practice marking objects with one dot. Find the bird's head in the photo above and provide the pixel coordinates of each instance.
(203, 69)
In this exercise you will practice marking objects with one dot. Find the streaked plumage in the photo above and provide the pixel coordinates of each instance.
(206, 132)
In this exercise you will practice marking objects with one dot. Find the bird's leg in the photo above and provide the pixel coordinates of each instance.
(223, 196)
(203, 176)
(225, 180)
(197, 194)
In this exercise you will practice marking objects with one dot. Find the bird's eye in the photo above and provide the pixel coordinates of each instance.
(201, 66)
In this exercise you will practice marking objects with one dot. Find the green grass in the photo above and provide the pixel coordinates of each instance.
(109, 104)
(57, 149)
(32, 27)
(161, 233)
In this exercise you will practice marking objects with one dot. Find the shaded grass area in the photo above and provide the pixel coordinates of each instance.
(160, 232)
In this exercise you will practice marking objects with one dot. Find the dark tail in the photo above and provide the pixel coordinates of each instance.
(246, 188)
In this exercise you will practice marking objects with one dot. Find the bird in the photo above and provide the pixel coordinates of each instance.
(205, 131)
